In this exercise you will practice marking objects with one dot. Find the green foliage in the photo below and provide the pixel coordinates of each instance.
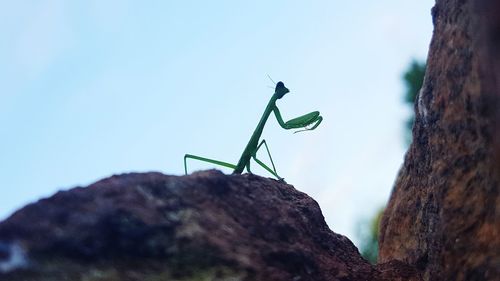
(413, 79)
(369, 235)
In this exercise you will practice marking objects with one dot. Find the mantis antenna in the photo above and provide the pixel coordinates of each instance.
(271, 79)
(305, 122)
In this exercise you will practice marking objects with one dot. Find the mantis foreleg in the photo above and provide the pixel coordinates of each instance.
(318, 121)
(299, 122)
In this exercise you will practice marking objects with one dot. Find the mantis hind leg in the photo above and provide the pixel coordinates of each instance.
(268, 169)
(212, 161)
(273, 170)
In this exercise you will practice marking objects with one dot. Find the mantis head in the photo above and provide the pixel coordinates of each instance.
(281, 90)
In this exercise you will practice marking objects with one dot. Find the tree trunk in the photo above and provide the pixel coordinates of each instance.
(443, 216)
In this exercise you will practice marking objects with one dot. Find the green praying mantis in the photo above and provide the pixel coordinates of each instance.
(312, 119)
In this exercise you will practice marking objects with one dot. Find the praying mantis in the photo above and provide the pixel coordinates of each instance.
(303, 122)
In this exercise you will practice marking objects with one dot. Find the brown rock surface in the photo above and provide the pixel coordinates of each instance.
(207, 226)
(444, 214)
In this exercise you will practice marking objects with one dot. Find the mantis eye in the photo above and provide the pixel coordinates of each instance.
(280, 85)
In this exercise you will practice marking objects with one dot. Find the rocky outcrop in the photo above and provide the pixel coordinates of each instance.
(207, 226)
(443, 216)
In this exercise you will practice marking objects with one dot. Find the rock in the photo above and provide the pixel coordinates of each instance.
(206, 226)
(443, 215)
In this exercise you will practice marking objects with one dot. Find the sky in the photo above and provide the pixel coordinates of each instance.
(94, 88)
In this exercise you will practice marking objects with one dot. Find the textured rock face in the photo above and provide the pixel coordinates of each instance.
(443, 216)
(207, 226)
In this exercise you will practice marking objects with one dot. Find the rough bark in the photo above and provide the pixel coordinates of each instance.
(443, 216)
(207, 226)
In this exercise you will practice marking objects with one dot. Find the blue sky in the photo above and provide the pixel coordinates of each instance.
(94, 88)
